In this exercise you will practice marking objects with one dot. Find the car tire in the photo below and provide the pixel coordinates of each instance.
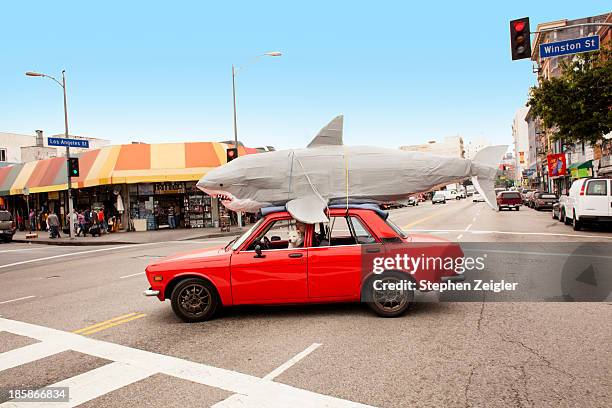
(517, 208)
(388, 303)
(194, 300)
(576, 224)
(566, 220)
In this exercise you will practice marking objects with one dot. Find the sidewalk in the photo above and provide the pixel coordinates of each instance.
(122, 238)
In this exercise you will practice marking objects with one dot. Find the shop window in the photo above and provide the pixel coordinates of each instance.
(2, 155)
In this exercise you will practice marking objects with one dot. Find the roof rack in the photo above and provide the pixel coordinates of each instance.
(366, 206)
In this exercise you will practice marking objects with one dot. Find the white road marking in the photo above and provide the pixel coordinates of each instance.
(240, 401)
(95, 383)
(15, 300)
(468, 227)
(284, 367)
(27, 354)
(254, 389)
(459, 237)
(47, 258)
(513, 233)
(21, 250)
(129, 276)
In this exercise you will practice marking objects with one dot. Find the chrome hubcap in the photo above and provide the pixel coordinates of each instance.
(195, 299)
(391, 300)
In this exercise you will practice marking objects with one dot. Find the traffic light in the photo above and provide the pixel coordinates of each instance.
(520, 40)
(73, 166)
(231, 153)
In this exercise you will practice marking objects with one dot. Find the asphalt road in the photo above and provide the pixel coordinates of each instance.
(451, 354)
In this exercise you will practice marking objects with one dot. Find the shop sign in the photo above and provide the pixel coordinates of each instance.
(170, 188)
(53, 195)
(522, 157)
(556, 165)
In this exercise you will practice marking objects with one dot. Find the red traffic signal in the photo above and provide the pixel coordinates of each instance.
(520, 40)
(231, 153)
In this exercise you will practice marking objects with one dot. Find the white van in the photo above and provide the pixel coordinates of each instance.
(589, 200)
(451, 194)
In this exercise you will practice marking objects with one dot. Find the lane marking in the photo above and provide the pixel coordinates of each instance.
(513, 233)
(114, 319)
(134, 274)
(117, 323)
(289, 363)
(20, 250)
(97, 382)
(27, 354)
(459, 237)
(468, 227)
(265, 393)
(15, 300)
(46, 258)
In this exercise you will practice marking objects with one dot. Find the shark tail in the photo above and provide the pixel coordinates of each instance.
(485, 164)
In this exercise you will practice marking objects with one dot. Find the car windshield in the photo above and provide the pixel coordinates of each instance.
(438, 194)
(247, 234)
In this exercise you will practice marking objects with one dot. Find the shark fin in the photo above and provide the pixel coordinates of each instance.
(330, 134)
(309, 210)
(486, 162)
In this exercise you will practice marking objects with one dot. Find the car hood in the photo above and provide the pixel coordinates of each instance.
(183, 259)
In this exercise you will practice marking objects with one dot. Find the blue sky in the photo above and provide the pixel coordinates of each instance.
(400, 72)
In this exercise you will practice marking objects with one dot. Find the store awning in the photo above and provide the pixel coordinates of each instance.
(133, 163)
(581, 170)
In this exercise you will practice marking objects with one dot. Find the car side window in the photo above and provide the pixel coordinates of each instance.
(276, 236)
(341, 231)
(597, 188)
(362, 236)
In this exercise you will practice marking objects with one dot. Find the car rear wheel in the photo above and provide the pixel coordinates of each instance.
(386, 302)
(194, 300)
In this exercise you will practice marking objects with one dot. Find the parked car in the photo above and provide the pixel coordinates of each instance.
(438, 197)
(543, 200)
(7, 226)
(477, 198)
(260, 268)
(470, 190)
(525, 196)
(462, 193)
(413, 201)
(589, 200)
(509, 200)
(529, 198)
(451, 194)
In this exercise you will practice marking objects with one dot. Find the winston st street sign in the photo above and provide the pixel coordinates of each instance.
(573, 46)
(58, 141)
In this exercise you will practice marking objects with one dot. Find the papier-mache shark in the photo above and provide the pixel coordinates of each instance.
(327, 172)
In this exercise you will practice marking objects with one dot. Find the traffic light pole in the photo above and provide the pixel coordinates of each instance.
(70, 205)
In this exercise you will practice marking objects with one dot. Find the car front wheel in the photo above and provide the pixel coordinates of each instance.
(386, 302)
(194, 300)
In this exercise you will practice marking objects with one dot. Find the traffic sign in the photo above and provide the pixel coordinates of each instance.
(58, 141)
(573, 46)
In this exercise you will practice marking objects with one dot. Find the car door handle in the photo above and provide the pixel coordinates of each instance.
(296, 255)
(373, 250)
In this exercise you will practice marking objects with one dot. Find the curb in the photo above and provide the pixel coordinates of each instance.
(99, 243)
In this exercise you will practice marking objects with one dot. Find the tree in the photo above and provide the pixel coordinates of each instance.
(578, 104)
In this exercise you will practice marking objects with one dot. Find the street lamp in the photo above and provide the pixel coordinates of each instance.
(63, 85)
(234, 72)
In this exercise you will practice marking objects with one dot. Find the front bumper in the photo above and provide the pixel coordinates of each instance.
(151, 292)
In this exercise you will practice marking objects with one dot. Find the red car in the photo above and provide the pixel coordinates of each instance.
(261, 267)
(509, 200)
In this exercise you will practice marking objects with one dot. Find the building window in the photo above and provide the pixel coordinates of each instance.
(2, 155)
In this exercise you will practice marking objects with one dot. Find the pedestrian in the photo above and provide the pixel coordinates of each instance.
(19, 221)
(81, 223)
(32, 220)
(171, 219)
(101, 220)
(53, 222)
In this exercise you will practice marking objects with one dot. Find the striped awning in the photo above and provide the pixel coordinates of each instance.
(132, 163)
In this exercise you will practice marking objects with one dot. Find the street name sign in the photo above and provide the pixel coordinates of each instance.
(58, 141)
(573, 46)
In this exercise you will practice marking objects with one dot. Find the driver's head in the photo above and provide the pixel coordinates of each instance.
(301, 227)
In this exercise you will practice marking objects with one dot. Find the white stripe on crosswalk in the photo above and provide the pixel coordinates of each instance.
(27, 354)
(93, 384)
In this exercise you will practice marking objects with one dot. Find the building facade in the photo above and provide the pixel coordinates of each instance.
(520, 139)
(582, 160)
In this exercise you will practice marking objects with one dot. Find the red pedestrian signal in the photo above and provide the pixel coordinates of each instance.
(231, 153)
(520, 40)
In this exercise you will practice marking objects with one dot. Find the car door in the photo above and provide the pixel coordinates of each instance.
(279, 275)
(335, 259)
(596, 199)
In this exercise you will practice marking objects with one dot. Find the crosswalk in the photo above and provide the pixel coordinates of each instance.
(129, 365)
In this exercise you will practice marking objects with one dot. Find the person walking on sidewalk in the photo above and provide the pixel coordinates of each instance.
(53, 222)
(101, 220)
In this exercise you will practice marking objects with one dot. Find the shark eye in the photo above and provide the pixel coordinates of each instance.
(220, 184)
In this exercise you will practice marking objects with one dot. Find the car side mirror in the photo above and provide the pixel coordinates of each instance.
(258, 253)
